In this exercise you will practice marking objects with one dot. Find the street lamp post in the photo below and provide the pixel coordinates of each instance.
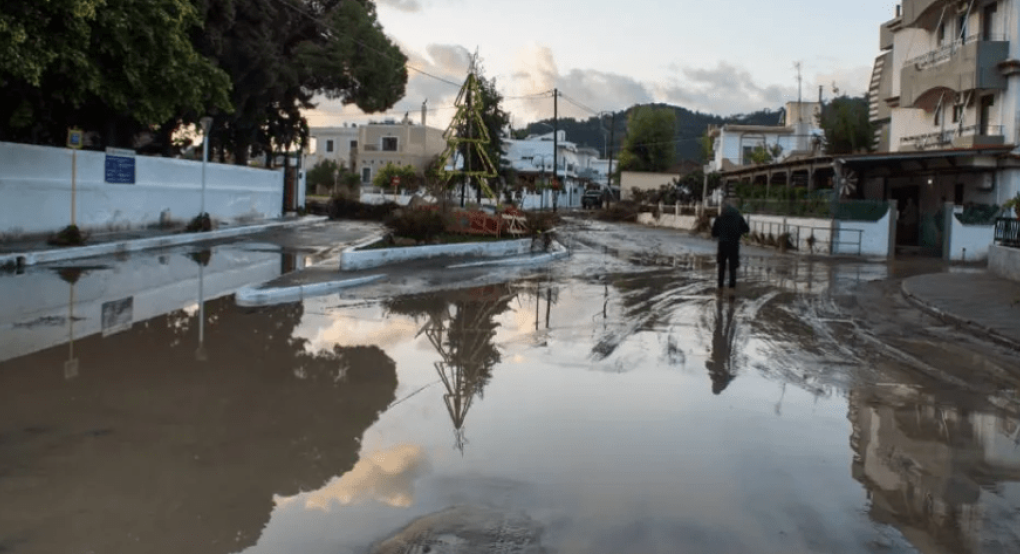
(206, 123)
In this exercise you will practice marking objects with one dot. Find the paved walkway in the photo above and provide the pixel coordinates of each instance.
(36, 250)
(979, 301)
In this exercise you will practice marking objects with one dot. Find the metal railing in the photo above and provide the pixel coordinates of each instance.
(1007, 232)
(945, 52)
(944, 137)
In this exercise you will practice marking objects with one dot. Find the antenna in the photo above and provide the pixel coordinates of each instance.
(797, 66)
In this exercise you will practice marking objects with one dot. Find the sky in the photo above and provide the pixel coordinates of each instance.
(721, 56)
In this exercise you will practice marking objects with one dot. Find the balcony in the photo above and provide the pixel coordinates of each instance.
(967, 136)
(959, 66)
(923, 13)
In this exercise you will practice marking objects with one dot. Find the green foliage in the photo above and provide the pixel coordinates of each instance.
(116, 67)
(707, 145)
(979, 214)
(649, 142)
(847, 126)
(764, 154)
(408, 176)
(690, 129)
(420, 225)
(326, 173)
(1012, 204)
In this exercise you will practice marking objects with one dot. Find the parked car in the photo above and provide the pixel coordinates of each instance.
(592, 199)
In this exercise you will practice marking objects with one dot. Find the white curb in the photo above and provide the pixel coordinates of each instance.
(135, 245)
(254, 296)
(351, 258)
(531, 259)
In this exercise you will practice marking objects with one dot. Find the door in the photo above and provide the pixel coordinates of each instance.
(908, 221)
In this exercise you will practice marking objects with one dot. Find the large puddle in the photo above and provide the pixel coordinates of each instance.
(624, 410)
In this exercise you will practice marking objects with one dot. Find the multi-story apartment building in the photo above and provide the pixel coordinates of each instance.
(947, 88)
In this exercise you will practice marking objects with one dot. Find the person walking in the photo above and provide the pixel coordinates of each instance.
(728, 228)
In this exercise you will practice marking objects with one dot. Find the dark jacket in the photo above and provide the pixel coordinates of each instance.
(729, 226)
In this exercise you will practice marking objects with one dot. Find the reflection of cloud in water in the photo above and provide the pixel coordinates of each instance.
(370, 329)
(386, 476)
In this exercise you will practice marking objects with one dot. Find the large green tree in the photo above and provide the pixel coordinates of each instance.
(113, 67)
(280, 53)
(649, 142)
(847, 126)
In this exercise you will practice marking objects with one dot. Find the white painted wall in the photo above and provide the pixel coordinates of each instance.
(36, 304)
(672, 221)
(875, 239)
(35, 191)
(969, 243)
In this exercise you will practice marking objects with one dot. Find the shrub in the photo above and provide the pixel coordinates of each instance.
(420, 225)
(625, 210)
(341, 207)
(541, 222)
(200, 224)
(68, 236)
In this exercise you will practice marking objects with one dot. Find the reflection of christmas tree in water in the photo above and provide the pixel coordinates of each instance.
(461, 326)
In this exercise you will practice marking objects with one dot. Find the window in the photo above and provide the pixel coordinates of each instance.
(941, 34)
(746, 159)
(961, 27)
(366, 175)
(329, 146)
(957, 113)
(938, 114)
(354, 145)
(389, 144)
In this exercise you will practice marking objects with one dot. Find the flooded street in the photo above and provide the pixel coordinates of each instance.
(609, 402)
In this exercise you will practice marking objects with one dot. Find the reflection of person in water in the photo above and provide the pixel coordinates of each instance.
(719, 363)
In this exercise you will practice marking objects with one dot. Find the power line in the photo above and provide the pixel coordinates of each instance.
(578, 104)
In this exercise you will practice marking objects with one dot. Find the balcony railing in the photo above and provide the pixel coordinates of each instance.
(944, 53)
(944, 138)
(1007, 231)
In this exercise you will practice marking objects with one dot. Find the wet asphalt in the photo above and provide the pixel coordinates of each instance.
(608, 402)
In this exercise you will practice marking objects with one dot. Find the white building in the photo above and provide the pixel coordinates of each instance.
(799, 134)
(945, 100)
(338, 144)
(578, 167)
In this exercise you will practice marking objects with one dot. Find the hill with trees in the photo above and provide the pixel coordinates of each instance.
(594, 132)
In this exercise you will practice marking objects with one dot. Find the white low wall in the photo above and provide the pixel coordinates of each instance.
(352, 258)
(874, 239)
(37, 304)
(35, 191)
(528, 201)
(672, 221)
(969, 243)
(1004, 261)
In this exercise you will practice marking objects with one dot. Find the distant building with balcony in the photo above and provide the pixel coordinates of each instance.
(798, 134)
(395, 143)
(578, 167)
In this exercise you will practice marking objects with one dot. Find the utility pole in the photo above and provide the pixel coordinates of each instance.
(556, 146)
(612, 132)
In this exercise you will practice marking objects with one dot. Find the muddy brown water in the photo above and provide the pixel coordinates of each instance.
(612, 403)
